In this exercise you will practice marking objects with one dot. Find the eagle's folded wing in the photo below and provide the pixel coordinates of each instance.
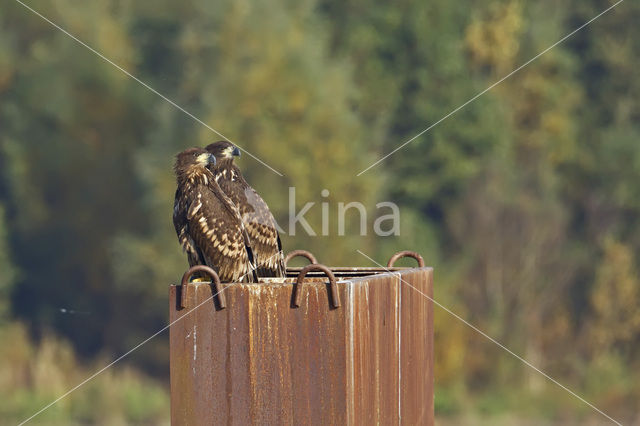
(263, 233)
(181, 224)
(219, 235)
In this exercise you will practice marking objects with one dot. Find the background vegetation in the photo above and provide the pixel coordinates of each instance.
(526, 202)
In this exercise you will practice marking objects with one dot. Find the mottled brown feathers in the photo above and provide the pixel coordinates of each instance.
(256, 216)
(208, 224)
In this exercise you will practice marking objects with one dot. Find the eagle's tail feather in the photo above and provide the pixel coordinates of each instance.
(252, 277)
(274, 269)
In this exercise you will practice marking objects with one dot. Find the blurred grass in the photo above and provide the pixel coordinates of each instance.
(34, 374)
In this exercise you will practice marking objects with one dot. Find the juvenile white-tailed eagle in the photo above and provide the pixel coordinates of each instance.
(256, 216)
(208, 224)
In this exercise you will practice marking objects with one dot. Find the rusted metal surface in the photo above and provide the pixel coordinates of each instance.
(263, 361)
(405, 253)
(333, 287)
(215, 283)
(301, 253)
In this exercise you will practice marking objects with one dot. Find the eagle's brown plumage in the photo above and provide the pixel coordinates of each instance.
(208, 224)
(256, 216)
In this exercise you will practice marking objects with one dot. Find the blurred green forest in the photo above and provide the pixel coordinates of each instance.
(526, 201)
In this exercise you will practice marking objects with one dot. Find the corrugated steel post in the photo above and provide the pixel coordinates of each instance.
(261, 360)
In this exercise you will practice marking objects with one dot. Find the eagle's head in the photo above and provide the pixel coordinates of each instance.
(223, 150)
(193, 163)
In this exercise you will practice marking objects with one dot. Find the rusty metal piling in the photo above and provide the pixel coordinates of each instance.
(352, 349)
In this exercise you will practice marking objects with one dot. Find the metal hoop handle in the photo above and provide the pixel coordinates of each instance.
(405, 253)
(297, 293)
(302, 253)
(215, 279)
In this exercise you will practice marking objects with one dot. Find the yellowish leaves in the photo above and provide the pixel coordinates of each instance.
(98, 24)
(114, 42)
(542, 109)
(452, 346)
(494, 40)
(615, 298)
(6, 68)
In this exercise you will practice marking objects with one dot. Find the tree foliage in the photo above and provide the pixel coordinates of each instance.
(526, 200)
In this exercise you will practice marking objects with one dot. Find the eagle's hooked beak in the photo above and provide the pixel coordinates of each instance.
(212, 160)
(236, 152)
